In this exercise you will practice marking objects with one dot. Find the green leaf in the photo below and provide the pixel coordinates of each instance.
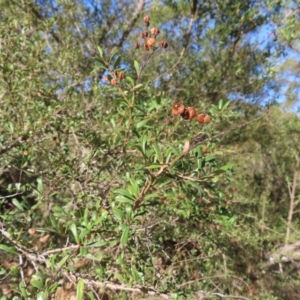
(136, 275)
(114, 52)
(8, 249)
(134, 188)
(83, 251)
(151, 196)
(124, 193)
(209, 158)
(199, 164)
(92, 257)
(41, 296)
(117, 61)
(73, 229)
(63, 261)
(123, 199)
(17, 204)
(218, 172)
(227, 166)
(23, 291)
(128, 78)
(143, 123)
(193, 183)
(124, 237)
(53, 221)
(40, 186)
(154, 166)
(37, 283)
(220, 104)
(41, 275)
(119, 277)
(84, 233)
(97, 244)
(80, 290)
(118, 214)
(158, 152)
(101, 66)
(137, 86)
(137, 67)
(100, 51)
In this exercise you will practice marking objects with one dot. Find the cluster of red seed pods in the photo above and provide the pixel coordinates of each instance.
(189, 113)
(149, 37)
(117, 76)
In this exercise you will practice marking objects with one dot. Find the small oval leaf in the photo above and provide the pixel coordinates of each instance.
(125, 234)
(8, 249)
(73, 229)
(137, 67)
(80, 290)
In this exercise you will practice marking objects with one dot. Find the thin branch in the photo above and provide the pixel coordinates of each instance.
(29, 254)
(290, 13)
(183, 51)
(132, 22)
(292, 194)
(49, 252)
(11, 196)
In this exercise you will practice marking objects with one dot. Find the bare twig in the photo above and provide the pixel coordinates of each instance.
(140, 7)
(11, 196)
(120, 287)
(293, 203)
(290, 13)
(29, 254)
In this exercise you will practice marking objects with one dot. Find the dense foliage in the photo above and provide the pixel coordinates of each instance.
(107, 191)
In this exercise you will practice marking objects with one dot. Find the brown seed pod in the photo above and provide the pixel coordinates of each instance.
(137, 45)
(204, 149)
(177, 109)
(146, 47)
(114, 81)
(154, 31)
(147, 20)
(192, 112)
(144, 35)
(203, 118)
(200, 118)
(163, 44)
(150, 42)
(25, 153)
(121, 75)
(207, 119)
(189, 113)
(31, 231)
(185, 114)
